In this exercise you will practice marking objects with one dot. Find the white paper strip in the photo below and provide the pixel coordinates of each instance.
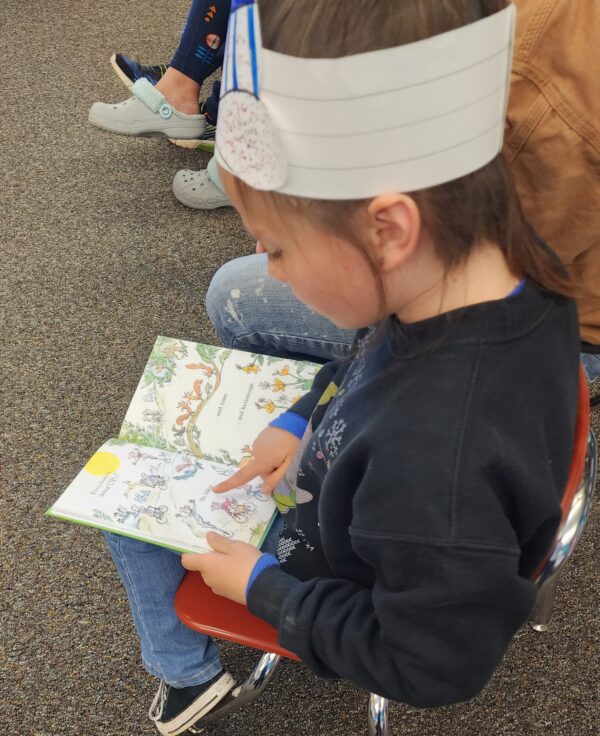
(397, 119)
(369, 73)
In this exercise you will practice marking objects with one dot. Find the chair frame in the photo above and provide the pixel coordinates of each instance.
(568, 536)
(575, 506)
(225, 619)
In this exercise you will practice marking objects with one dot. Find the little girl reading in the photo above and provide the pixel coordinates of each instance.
(428, 467)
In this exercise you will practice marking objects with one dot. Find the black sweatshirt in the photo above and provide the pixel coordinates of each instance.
(427, 494)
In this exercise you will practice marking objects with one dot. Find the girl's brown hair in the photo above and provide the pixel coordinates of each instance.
(482, 206)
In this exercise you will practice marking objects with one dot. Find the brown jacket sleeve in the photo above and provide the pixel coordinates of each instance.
(552, 140)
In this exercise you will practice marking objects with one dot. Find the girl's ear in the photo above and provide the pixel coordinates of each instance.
(395, 227)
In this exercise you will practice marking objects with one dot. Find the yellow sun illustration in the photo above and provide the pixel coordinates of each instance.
(102, 463)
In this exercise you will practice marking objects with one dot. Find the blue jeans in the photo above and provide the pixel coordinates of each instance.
(151, 575)
(591, 365)
(251, 311)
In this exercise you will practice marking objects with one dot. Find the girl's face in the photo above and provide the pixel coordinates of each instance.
(329, 274)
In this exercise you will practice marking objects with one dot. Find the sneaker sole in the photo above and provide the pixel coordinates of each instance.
(193, 204)
(206, 207)
(197, 144)
(202, 705)
(142, 134)
(120, 73)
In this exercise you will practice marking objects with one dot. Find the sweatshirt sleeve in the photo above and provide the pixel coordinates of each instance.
(430, 632)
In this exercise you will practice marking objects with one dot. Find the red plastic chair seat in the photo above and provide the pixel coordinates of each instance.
(201, 609)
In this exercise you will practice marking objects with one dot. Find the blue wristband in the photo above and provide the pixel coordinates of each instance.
(291, 422)
(264, 561)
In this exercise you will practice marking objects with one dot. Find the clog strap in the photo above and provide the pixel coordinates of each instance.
(151, 97)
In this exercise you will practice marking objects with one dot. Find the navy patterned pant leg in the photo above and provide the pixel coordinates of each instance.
(202, 43)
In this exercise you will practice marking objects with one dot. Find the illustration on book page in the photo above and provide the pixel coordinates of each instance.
(164, 496)
(211, 402)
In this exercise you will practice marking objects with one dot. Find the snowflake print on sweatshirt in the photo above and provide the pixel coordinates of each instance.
(285, 547)
(333, 437)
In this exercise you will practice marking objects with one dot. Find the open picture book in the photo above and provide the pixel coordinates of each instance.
(191, 423)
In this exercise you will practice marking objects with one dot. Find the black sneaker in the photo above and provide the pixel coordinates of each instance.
(129, 70)
(175, 710)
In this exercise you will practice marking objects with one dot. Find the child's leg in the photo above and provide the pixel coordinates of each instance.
(591, 364)
(251, 311)
(201, 46)
(170, 650)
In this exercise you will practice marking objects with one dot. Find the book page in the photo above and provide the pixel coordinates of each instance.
(211, 402)
(164, 498)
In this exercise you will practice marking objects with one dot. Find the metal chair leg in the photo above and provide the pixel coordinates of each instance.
(248, 691)
(378, 716)
(544, 603)
(258, 679)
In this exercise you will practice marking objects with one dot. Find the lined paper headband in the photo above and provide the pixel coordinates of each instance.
(435, 111)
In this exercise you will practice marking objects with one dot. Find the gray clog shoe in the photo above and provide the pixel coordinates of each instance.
(147, 113)
(196, 189)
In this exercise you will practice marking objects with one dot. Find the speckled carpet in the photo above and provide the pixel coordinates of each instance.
(97, 258)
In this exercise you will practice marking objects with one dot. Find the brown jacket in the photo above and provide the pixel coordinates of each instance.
(553, 138)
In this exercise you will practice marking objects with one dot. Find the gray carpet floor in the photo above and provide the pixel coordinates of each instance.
(97, 258)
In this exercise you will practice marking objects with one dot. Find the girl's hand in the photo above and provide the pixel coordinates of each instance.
(227, 570)
(272, 452)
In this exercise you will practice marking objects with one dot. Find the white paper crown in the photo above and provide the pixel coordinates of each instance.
(398, 119)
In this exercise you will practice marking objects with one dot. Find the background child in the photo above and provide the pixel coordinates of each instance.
(429, 475)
